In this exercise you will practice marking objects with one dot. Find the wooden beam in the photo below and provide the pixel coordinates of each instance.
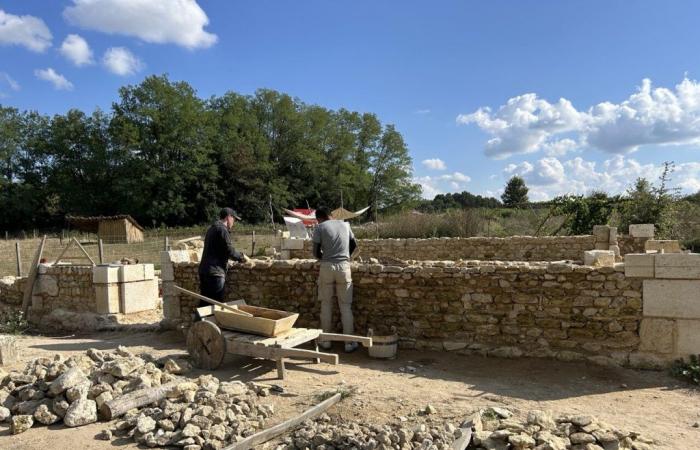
(262, 351)
(19, 259)
(212, 301)
(136, 399)
(33, 269)
(84, 252)
(258, 438)
(65, 249)
(329, 337)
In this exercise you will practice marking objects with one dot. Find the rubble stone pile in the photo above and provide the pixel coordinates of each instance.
(325, 434)
(201, 413)
(497, 428)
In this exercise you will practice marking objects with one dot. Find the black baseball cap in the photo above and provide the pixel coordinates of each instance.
(225, 212)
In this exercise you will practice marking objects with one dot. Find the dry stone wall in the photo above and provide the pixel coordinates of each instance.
(560, 310)
(516, 248)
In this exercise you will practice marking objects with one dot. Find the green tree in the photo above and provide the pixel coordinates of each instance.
(581, 213)
(515, 193)
(649, 203)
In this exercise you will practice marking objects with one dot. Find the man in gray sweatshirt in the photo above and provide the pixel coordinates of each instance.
(333, 244)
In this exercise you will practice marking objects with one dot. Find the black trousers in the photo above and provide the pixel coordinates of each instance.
(212, 287)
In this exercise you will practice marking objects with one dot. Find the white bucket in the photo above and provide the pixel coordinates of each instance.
(384, 347)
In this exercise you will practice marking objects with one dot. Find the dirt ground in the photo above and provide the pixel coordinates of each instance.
(651, 403)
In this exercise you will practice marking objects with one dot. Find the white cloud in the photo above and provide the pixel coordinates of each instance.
(179, 22)
(77, 50)
(6, 79)
(650, 116)
(121, 61)
(422, 111)
(434, 164)
(59, 81)
(28, 31)
(549, 177)
(454, 182)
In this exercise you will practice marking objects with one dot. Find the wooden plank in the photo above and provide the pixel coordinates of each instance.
(258, 351)
(19, 258)
(208, 300)
(33, 269)
(292, 338)
(329, 337)
(271, 433)
(206, 311)
(65, 249)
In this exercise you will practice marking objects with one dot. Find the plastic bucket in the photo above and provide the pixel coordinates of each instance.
(383, 347)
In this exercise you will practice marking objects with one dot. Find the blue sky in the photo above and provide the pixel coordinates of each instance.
(474, 87)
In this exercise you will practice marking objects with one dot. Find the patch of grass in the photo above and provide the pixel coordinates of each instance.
(344, 391)
(688, 370)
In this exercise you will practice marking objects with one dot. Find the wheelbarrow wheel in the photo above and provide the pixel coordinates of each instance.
(206, 345)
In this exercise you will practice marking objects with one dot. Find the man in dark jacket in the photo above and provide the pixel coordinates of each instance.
(218, 249)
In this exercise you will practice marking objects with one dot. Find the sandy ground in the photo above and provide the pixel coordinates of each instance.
(652, 403)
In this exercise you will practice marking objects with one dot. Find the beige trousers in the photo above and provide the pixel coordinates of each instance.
(335, 278)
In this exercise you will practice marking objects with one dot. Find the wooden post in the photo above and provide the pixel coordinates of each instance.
(19, 259)
(166, 244)
(252, 249)
(34, 233)
(100, 250)
(29, 287)
(6, 235)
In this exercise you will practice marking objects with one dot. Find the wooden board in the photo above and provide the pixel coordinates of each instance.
(206, 345)
(29, 287)
(292, 338)
(331, 337)
(206, 311)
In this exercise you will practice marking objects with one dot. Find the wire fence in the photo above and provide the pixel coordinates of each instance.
(16, 255)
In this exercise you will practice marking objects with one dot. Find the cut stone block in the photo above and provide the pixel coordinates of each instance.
(285, 254)
(8, 350)
(639, 265)
(599, 258)
(292, 244)
(677, 265)
(167, 259)
(601, 233)
(107, 298)
(138, 296)
(688, 337)
(662, 246)
(612, 237)
(602, 246)
(105, 274)
(671, 298)
(135, 272)
(643, 230)
(656, 335)
(171, 301)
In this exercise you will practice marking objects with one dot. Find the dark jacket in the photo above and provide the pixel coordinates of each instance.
(218, 249)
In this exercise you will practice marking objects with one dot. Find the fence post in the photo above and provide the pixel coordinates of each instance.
(100, 251)
(252, 250)
(167, 244)
(19, 259)
(6, 235)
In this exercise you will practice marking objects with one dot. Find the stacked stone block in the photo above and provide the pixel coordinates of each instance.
(558, 310)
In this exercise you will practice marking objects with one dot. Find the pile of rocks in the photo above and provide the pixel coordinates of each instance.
(497, 428)
(199, 413)
(326, 434)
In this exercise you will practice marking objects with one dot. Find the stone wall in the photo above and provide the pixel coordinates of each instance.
(670, 327)
(559, 310)
(516, 248)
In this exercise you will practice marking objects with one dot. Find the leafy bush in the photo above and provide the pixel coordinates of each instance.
(13, 322)
(689, 370)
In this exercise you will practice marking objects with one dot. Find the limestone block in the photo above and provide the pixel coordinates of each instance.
(292, 244)
(612, 237)
(136, 272)
(688, 337)
(8, 350)
(107, 298)
(602, 246)
(107, 273)
(601, 233)
(671, 298)
(662, 246)
(645, 230)
(677, 265)
(639, 265)
(599, 258)
(171, 301)
(167, 259)
(656, 335)
(285, 254)
(138, 296)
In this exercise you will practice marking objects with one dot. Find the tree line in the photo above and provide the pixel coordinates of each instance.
(168, 157)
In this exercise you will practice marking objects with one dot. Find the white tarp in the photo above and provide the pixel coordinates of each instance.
(296, 228)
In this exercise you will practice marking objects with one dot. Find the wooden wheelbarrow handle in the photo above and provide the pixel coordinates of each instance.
(233, 309)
